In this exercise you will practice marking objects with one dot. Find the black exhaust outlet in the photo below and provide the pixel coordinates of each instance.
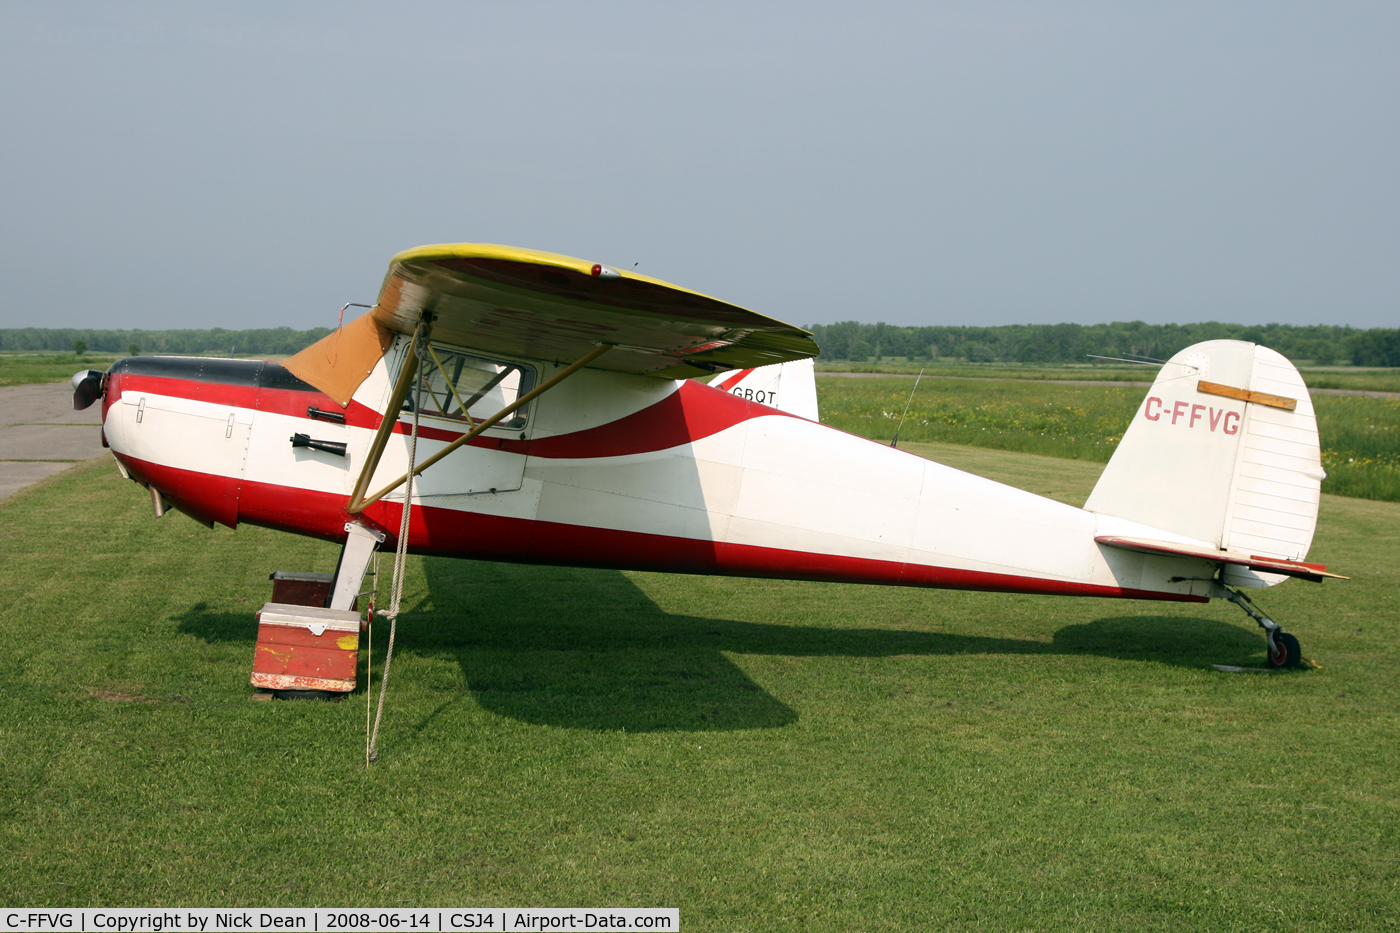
(330, 447)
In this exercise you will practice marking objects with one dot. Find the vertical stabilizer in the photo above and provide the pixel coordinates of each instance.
(1223, 450)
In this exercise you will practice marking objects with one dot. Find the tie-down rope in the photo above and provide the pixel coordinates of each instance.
(400, 553)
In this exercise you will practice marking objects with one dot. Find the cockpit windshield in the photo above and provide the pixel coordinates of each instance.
(463, 387)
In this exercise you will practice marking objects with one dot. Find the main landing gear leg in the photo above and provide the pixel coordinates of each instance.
(359, 549)
(1283, 647)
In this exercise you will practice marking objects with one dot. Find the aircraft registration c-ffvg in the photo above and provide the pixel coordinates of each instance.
(559, 422)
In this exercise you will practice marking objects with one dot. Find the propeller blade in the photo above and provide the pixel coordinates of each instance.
(87, 388)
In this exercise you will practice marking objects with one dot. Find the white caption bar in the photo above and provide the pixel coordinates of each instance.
(337, 920)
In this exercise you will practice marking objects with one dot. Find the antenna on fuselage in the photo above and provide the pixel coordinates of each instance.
(895, 442)
(1145, 361)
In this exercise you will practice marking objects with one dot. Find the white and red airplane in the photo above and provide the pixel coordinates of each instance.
(558, 422)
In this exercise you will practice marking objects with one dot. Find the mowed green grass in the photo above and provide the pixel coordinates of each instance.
(764, 755)
(25, 368)
(1368, 378)
(1360, 436)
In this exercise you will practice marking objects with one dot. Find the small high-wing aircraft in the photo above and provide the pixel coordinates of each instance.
(557, 421)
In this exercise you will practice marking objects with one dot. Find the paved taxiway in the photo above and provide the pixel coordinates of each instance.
(41, 434)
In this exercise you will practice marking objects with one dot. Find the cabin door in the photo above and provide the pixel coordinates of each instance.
(460, 389)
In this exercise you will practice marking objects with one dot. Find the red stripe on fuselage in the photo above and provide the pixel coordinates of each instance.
(205, 497)
(216, 393)
(730, 379)
(453, 533)
(294, 403)
(691, 413)
(291, 402)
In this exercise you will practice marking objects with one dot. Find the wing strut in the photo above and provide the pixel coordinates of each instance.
(358, 504)
(390, 419)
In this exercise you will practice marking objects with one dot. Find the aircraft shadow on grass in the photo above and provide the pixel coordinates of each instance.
(588, 649)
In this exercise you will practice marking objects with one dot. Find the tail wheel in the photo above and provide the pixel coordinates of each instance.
(1285, 652)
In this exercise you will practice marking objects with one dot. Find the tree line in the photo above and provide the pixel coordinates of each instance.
(849, 340)
(1321, 344)
(211, 342)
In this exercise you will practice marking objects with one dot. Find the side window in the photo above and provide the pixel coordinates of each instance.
(470, 388)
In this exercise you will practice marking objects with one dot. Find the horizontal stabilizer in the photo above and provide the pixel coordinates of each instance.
(1292, 568)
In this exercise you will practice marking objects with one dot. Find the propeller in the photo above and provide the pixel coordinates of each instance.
(87, 388)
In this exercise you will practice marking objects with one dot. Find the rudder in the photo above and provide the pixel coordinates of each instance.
(1215, 453)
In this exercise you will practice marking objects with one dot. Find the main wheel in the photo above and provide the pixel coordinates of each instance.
(1286, 652)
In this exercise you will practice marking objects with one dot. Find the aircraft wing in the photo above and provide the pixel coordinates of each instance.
(526, 303)
(1292, 568)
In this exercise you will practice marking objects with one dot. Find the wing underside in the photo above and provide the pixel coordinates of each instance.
(525, 303)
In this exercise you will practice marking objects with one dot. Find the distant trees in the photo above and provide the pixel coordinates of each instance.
(79, 348)
(1064, 343)
(211, 342)
(846, 340)
(1377, 347)
(981, 353)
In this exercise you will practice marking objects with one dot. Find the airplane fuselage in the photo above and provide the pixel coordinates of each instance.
(614, 470)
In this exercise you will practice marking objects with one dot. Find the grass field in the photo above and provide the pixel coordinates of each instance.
(22, 368)
(1373, 379)
(763, 755)
(25, 368)
(1360, 436)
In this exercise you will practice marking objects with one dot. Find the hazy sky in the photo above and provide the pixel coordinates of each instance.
(251, 165)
